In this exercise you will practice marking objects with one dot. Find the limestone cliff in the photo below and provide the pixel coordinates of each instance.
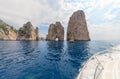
(56, 31)
(77, 27)
(27, 32)
(37, 33)
(7, 32)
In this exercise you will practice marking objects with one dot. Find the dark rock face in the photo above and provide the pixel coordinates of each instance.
(56, 31)
(77, 27)
(27, 32)
(37, 33)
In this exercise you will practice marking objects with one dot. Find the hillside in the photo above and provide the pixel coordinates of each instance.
(7, 32)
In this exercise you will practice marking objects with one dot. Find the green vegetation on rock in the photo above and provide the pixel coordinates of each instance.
(3, 26)
(13, 29)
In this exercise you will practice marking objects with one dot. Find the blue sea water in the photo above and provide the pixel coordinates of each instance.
(46, 59)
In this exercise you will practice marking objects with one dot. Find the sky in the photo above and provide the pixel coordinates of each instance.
(102, 16)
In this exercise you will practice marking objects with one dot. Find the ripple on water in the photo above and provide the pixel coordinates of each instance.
(46, 59)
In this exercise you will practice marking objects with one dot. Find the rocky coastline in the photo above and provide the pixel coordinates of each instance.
(76, 31)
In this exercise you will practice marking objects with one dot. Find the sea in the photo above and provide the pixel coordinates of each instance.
(47, 59)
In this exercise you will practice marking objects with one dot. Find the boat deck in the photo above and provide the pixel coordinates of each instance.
(104, 65)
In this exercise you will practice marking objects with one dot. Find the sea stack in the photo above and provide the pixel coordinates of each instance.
(56, 31)
(77, 27)
(27, 32)
(37, 33)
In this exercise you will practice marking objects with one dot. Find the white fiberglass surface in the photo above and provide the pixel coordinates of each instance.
(110, 61)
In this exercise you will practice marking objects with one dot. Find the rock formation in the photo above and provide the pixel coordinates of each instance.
(7, 32)
(27, 32)
(56, 31)
(37, 33)
(77, 27)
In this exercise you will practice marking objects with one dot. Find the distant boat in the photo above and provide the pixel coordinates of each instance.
(56, 39)
(72, 41)
(104, 65)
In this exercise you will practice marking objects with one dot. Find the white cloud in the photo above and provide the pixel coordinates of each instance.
(104, 3)
(21, 11)
(109, 16)
(111, 13)
(105, 31)
(44, 12)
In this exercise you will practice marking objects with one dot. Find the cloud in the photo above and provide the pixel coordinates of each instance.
(105, 32)
(99, 13)
(21, 11)
(104, 3)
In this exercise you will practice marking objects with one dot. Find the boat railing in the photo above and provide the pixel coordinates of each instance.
(100, 66)
(97, 73)
(85, 66)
